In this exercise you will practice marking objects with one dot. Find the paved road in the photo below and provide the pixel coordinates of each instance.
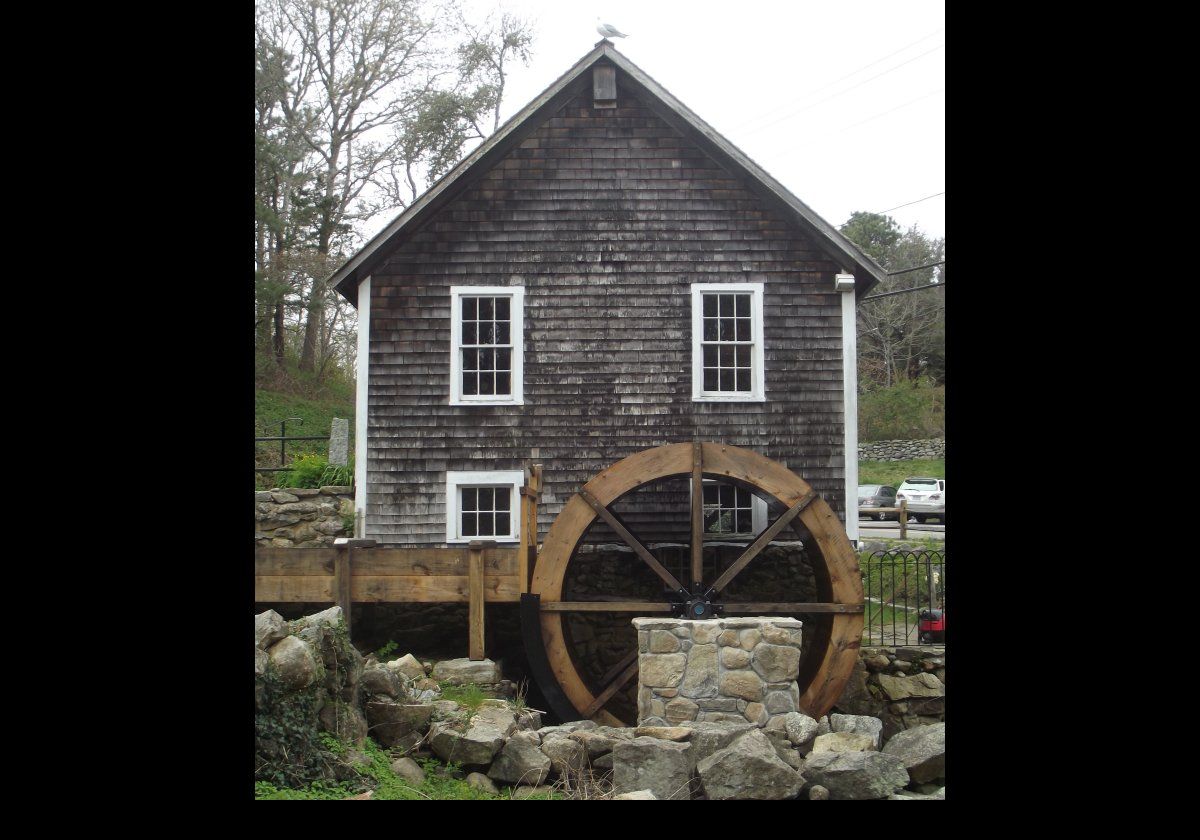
(870, 528)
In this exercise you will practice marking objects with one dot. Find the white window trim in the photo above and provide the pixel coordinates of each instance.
(363, 365)
(757, 354)
(517, 314)
(494, 478)
(758, 515)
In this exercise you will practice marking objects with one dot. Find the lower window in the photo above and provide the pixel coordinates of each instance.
(483, 505)
(730, 510)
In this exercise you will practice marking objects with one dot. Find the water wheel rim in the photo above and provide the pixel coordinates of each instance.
(836, 568)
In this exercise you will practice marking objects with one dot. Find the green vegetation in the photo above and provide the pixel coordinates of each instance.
(289, 750)
(314, 470)
(385, 652)
(908, 410)
(469, 696)
(892, 473)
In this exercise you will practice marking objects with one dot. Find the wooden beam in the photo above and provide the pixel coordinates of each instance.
(611, 689)
(697, 516)
(761, 543)
(475, 633)
(633, 542)
(270, 561)
(612, 672)
(527, 551)
(606, 606)
(803, 607)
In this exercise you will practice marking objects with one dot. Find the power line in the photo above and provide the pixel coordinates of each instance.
(905, 291)
(897, 207)
(918, 268)
(753, 120)
(791, 114)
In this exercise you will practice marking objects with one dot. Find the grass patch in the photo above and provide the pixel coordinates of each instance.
(469, 696)
(908, 410)
(892, 473)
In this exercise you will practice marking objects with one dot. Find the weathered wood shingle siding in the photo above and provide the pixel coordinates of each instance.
(606, 218)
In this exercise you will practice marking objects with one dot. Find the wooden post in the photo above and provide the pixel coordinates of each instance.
(904, 519)
(341, 574)
(528, 523)
(475, 642)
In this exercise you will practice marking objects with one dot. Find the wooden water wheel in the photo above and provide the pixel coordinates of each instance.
(833, 623)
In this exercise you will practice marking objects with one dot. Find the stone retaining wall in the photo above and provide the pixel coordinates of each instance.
(295, 517)
(905, 687)
(902, 450)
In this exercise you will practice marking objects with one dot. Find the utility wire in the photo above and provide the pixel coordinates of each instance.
(898, 206)
(918, 268)
(792, 114)
(762, 116)
(905, 291)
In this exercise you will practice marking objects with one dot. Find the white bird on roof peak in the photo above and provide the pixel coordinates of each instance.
(608, 30)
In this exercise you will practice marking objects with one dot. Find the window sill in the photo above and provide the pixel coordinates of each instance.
(734, 398)
(487, 402)
(466, 540)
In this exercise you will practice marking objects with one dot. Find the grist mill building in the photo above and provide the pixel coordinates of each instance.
(605, 274)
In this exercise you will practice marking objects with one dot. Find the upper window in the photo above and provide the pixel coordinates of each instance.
(486, 346)
(727, 342)
(483, 505)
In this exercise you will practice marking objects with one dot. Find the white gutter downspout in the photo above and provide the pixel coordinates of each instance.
(844, 283)
(362, 363)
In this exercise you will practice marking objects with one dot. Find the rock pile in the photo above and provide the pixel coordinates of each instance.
(904, 687)
(496, 744)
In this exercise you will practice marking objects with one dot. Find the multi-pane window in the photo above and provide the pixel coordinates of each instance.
(727, 341)
(485, 511)
(728, 338)
(483, 505)
(486, 344)
(727, 509)
(731, 511)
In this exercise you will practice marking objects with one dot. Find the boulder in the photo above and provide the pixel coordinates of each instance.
(596, 743)
(383, 681)
(409, 770)
(748, 769)
(801, 730)
(708, 737)
(636, 794)
(482, 783)
(329, 618)
(744, 684)
(567, 728)
(922, 750)
(467, 671)
(269, 628)
(535, 792)
(668, 733)
(295, 663)
(568, 757)
(661, 670)
(856, 775)
(409, 666)
(480, 740)
(520, 761)
(843, 742)
(860, 724)
(919, 685)
(260, 662)
(529, 720)
(344, 721)
(662, 767)
(390, 721)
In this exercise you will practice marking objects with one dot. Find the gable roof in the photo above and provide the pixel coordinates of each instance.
(867, 272)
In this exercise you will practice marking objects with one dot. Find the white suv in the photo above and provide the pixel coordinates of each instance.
(926, 497)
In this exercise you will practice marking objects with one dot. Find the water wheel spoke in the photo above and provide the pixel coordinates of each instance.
(632, 541)
(612, 688)
(764, 538)
(607, 606)
(697, 515)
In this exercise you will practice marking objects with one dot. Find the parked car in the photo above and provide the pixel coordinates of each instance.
(877, 495)
(926, 497)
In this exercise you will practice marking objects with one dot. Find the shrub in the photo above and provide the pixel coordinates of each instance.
(315, 471)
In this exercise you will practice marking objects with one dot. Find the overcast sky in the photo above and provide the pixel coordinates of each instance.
(843, 101)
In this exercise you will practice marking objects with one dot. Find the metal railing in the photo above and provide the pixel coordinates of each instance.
(283, 439)
(897, 586)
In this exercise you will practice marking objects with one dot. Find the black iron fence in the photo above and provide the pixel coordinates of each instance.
(284, 440)
(905, 592)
